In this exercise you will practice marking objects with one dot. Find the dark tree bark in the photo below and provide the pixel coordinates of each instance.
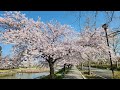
(81, 66)
(64, 67)
(89, 67)
(116, 64)
(51, 65)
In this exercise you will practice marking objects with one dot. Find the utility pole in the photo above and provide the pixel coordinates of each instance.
(0, 53)
(105, 26)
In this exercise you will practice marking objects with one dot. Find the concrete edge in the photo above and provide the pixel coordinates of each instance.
(82, 75)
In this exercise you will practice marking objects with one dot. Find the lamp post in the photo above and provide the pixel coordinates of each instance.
(0, 53)
(105, 26)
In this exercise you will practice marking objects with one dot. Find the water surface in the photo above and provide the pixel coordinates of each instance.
(25, 75)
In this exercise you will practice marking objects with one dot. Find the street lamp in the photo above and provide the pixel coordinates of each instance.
(0, 53)
(105, 26)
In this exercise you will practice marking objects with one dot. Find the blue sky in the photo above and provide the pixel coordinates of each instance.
(64, 17)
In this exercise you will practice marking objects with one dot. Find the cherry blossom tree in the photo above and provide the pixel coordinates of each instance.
(52, 41)
(92, 44)
(34, 38)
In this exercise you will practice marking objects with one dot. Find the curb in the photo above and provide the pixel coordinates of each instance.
(82, 75)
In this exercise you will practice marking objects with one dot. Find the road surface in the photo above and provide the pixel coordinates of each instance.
(74, 73)
(106, 74)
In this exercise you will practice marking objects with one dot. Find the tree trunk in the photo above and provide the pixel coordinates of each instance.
(81, 66)
(97, 64)
(64, 67)
(51, 65)
(89, 68)
(116, 64)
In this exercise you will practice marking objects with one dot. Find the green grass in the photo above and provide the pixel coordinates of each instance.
(85, 73)
(7, 73)
(30, 70)
(117, 74)
(104, 66)
(92, 76)
(3, 71)
(58, 75)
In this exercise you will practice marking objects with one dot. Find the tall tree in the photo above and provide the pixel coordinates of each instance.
(35, 37)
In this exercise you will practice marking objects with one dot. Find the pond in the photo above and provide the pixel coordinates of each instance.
(25, 75)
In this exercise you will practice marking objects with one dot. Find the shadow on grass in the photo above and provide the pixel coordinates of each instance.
(58, 75)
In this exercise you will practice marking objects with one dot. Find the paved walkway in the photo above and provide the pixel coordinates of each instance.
(74, 73)
(104, 73)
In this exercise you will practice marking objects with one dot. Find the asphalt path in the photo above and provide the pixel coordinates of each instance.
(106, 74)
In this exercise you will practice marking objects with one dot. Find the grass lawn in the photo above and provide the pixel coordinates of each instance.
(117, 74)
(92, 76)
(31, 70)
(58, 75)
(85, 73)
(3, 71)
(6, 73)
